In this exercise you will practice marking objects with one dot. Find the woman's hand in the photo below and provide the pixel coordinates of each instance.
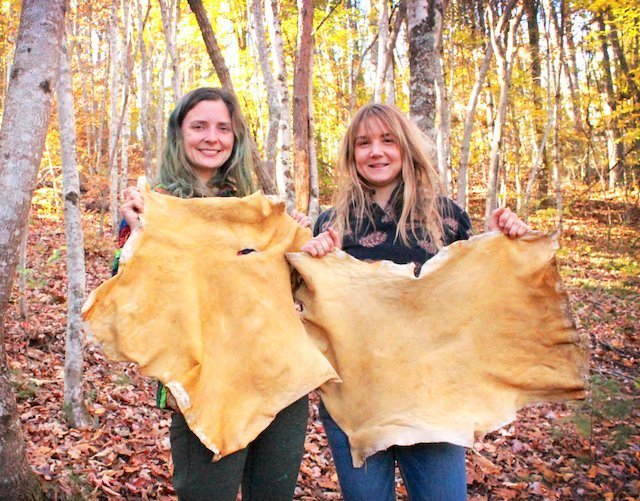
(132, 206)
(300, 218)
(322, 244)
(504, 220)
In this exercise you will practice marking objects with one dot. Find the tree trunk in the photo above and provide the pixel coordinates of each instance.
(257, 13)
(169, 13)
(22, 269)
(444, 122)
(383, 49)
(401, 16)
(468, 125)
(160, 120)
(144, 94)
(75, 410)
(284, 168)
(503, 31)
(425, 22)
(531, 10)
(314, 178)
(33, 79)
(301, 81)
(211, 44)
(114, 84)
(615, 146)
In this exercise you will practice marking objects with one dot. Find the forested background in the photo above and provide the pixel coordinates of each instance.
(531, 103)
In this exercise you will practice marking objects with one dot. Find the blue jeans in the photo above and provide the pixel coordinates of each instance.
(430, 471)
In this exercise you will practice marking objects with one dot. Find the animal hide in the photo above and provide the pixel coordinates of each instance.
(484, 330)
(203, 302)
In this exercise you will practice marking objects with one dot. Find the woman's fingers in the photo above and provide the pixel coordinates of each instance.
(505, 220)
(132, 206)
(321, 245)
(300, 218)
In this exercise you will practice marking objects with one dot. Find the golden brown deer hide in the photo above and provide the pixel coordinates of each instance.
(484, 330)
(203, 302)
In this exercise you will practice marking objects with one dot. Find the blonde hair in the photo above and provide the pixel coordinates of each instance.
(420, 186)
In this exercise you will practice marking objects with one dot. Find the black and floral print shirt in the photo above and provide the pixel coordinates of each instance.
(377, 241)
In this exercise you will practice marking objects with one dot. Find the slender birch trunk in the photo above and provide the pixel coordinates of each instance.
(33, 80)
(160, 120)
(144, 94)
(383, 49)
(75, 411)
(169, 12)
(284, 168)
(615, 146)
(468, 125)
(113, 116)
(503, 31)
(443, 146)
(257, 14)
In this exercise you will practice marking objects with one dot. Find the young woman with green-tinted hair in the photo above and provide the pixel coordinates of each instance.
(177, 175)
(209, 152)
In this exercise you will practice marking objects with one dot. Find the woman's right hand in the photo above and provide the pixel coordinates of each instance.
(132, 206)
(322, 244)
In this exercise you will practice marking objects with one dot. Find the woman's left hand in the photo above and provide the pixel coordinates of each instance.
(300, 218)
(504, 220)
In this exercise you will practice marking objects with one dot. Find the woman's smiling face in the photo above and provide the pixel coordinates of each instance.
(377, 155)
(207, 135)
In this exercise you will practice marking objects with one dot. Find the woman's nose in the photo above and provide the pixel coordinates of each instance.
(376, 150)
(212, 135)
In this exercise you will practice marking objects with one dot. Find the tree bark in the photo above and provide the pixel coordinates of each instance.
(503, 31)
(75, 410)
(301, 85)
(531, 8)
(114, 85)
(144, 94)
(389, 70)
(169, 13)
(22, 269)
(443, 145)
(615, 146)
(383, 49)
(425, 22)
(284, 171)
(465, 148)
(314, 178)
(211, 44)
(160, 120)
(270, 147)
(33, 79)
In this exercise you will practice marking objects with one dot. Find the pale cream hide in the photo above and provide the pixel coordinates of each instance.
(218, 328)
(483, 331)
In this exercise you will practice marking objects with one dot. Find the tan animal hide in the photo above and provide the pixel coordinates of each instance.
(203, 302)
(484, 330)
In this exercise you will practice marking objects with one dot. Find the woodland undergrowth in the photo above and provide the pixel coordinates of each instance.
(578, 450)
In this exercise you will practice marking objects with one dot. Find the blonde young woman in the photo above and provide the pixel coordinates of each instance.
(209, 152)
(387, 206)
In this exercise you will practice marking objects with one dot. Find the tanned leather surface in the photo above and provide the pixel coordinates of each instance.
(203, 302)
(484, 330)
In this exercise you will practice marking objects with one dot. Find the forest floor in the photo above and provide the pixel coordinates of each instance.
(578, 450)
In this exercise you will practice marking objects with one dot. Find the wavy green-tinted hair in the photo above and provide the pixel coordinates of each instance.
(176, 173)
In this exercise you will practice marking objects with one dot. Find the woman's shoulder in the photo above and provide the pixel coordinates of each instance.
(456, 221)
(324, 220)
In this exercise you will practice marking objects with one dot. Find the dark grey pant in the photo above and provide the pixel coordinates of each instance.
(267, 468)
